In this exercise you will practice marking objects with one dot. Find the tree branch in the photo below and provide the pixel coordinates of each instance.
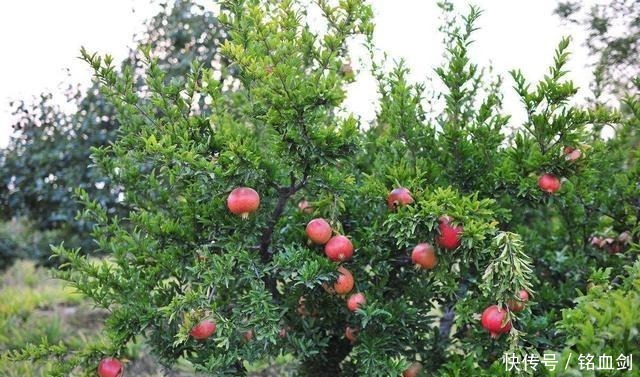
(284, 193)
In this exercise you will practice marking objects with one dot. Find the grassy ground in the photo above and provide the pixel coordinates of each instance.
(33, 306)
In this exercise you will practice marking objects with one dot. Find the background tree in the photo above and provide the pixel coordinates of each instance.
(612, 34)
(48, 157)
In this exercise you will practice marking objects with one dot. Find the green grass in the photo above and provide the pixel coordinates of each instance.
(33, 307)
(36, 307)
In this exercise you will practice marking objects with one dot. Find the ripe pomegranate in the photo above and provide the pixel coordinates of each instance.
(355, 301)
(571, 154)
(449, 237)
(344, 282)
(517, 305)
(399, 197)
(338, 249)
(424, 256)
(110, 367)
(242, 201)
(549, 183)
(305, 207)
(203, 329)
(319, 231)
(494, 320)
(351, 334)
(413, 371)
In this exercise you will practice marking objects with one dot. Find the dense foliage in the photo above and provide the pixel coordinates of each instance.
(547, 207)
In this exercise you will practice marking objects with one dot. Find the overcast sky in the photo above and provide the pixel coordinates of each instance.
(41, 41)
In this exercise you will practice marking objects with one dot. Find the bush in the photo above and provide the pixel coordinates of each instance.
(182, 259)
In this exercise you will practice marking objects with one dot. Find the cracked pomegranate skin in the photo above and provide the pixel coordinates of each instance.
(243, 201)
(110, 367)
(339, 249)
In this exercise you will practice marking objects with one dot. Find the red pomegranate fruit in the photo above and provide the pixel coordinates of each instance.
(494, 319)
(424, 256)
(351, 334)
(304, 206)
(243, 201)
(572, 155)
(355, 301)
(549, 183)
(203, 330)
(449, 237)
(399, 197)
(319, 231)
(339, 249)
(517, 305)
(110, 367)
(344, 282)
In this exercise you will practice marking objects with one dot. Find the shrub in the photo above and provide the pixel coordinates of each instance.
(182, 259)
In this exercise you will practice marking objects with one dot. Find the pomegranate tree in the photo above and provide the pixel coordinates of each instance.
(477, 225)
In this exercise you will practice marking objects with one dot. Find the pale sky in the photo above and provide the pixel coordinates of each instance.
(41, 40)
